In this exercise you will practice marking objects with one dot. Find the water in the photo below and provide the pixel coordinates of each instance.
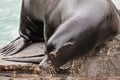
(9, 19)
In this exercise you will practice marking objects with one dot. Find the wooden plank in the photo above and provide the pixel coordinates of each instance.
(105, 64)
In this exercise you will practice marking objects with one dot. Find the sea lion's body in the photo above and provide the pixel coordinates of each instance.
(72, 28)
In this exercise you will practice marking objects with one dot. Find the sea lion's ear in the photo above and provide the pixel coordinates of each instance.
(68, 44)
(65, 46)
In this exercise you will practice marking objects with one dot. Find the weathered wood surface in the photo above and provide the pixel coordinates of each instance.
(104, 65)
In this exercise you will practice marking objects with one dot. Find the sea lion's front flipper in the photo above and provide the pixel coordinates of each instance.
(15, 46)
(29, 59)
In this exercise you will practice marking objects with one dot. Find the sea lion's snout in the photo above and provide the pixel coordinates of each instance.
(45, 63)
(48, 60)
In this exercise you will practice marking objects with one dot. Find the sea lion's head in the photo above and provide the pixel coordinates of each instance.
(55, 58)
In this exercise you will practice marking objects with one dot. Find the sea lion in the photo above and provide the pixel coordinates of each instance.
(72, 28)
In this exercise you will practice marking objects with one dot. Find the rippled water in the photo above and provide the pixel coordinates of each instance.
(9, 19)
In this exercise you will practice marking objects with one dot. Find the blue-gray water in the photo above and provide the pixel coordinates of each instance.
(9, 19)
